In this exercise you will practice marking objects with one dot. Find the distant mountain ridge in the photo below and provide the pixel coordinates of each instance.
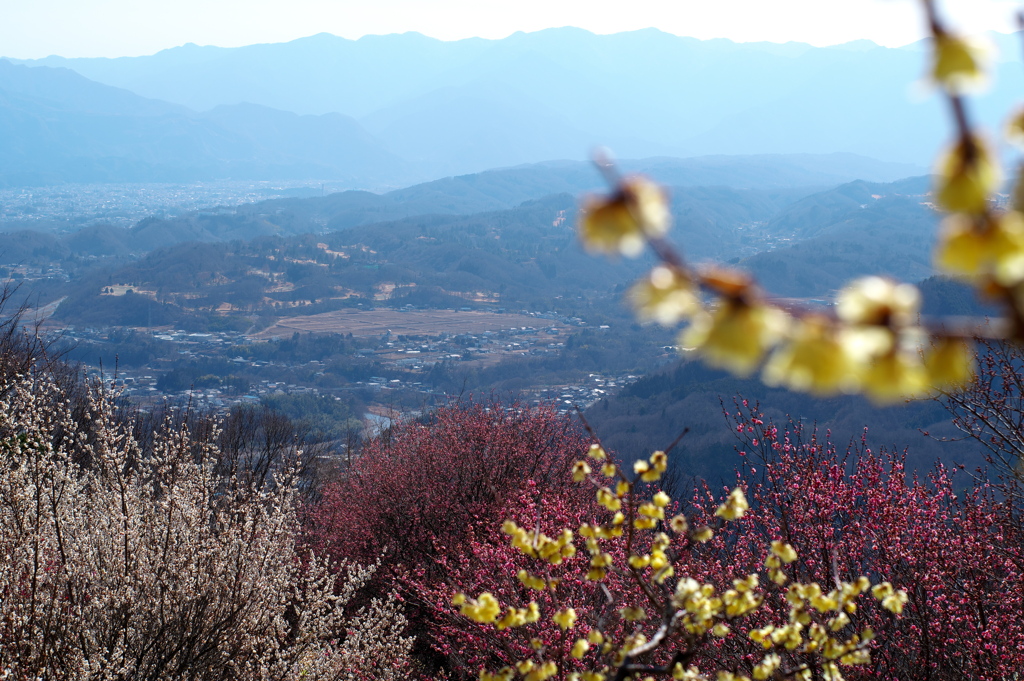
(467, 105)
(57, 126)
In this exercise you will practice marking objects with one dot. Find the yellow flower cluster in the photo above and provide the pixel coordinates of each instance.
(703, 609)
(736, 335)
(580, 470)
(532, 671)
(486, 610)
(874, 343)
(652, 469)
(891, 599)
(565, 619)
(538, 545)
(667, 296)
(983, 247)
(694, 611)
(958, 63)
(780, 553)
(532, 581)
(806, 599)
(977, 243)
(504, 674)
(657, 559)
(623, 222)
(734, 506)
(600, 561)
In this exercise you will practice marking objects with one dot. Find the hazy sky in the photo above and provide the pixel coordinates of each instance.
(111, 28)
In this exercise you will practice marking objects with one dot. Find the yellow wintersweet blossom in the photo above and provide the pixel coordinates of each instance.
(531, 581)
(596, 451)
(679, 524)
(891, 599)
(949, 363)
(665, 296)
(651, 470)
(878, 301)
(639, 562)
(984, 246)
(539, 545)
(517, 617)
(631, 614)
(959, 63)
(702, 534)
(651, 511)
(967, 176)
(734, 506)
(785, 552)
(894, 377)
(645, 523)
(580, 471)
(537, 672)
(580, 648)
(815, 360)
(621, 223)
(691, 673)
(606, 498)
(736, 335)
(484, 609)
(765, 669)
(565, 619)
(504, 674)
(659, 460)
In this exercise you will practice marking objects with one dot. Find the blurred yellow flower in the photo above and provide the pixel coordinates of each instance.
(631, 614)
(967, 175)
(766, 668)
(659, 460)
(1015, 128)
(702, 534)
(734, 506)
(959, 64)
(894, 377)
(736, 335)
(565, 619)
(815, 360)
(878, 301)
(608, 500)
(679, 524)
(949, 363)
(973, 247)
(484, 609)
(665, 296)
(580, 471)
(622, 222)
(785, 552)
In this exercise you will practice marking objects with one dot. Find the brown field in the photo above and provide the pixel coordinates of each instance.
(411, 323)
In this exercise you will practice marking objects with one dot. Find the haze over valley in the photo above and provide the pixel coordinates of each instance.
(387, 111)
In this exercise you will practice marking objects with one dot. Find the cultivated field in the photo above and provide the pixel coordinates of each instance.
(407, 323)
